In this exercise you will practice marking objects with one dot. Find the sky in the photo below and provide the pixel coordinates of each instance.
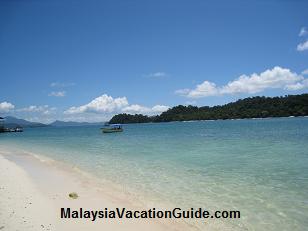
(89, 60)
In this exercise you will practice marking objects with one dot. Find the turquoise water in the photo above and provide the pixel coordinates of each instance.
(259, 167)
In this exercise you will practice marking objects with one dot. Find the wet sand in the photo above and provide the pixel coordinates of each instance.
(33, 190)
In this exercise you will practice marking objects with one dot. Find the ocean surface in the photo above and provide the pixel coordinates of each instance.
(256, 166)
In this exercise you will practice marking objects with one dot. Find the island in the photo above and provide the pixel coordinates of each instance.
(252, 107)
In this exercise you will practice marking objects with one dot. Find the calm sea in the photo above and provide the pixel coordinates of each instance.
(259, 167)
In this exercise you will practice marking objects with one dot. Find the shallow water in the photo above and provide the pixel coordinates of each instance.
(256, 166)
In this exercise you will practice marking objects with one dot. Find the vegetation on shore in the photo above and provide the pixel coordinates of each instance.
(252, 107)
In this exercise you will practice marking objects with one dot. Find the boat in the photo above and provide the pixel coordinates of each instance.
(110, 128)
(9, 129)
(16, 129)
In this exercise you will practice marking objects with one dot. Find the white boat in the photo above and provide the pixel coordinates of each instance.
(110, 128)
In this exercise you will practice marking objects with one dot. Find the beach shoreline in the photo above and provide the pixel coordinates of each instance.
(35, 188)
(214, 166)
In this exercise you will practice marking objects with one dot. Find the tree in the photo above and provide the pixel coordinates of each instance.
(254, 107)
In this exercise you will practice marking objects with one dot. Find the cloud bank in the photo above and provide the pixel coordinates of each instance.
(103, 103)
(6, 107)
(275, 78)
(305, 72)
(137, 109)
(45, 109)
(107, 104)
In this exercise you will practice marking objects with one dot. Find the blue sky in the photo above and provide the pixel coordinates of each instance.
(89, 60)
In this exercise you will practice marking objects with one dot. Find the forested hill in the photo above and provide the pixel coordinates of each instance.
(254, 107)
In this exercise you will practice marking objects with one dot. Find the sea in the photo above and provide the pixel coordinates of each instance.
(256, 166)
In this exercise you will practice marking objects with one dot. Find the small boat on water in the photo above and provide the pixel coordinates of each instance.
(110, 128)
(16, 129)
(9, 129)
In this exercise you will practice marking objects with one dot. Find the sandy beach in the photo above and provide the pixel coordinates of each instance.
(33, 190)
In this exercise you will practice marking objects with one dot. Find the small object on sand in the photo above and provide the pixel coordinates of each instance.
(73, 195)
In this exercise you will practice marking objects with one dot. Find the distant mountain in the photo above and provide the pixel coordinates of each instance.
(59, 123)
(10, 121)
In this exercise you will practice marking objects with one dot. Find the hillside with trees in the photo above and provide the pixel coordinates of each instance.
(127, 118)
(252, 107)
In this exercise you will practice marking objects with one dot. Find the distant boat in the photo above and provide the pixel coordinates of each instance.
(4, 129)
(17, 129)
(110, 128)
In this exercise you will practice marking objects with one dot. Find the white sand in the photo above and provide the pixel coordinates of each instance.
(32, 192)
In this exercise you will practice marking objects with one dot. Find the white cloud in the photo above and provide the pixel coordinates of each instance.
(135, 108)
(182, 92)
(298, 86)
(33, 108)
(138, 109)
(204, 89)
(103, 103)
(302, 46)
(57, 93)
(303, 32)
(6, 107)
(305, 72)
(107, 106)
(160, 108)
(61, 85)
(44, 109)
(157, 75)
(275, 78)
